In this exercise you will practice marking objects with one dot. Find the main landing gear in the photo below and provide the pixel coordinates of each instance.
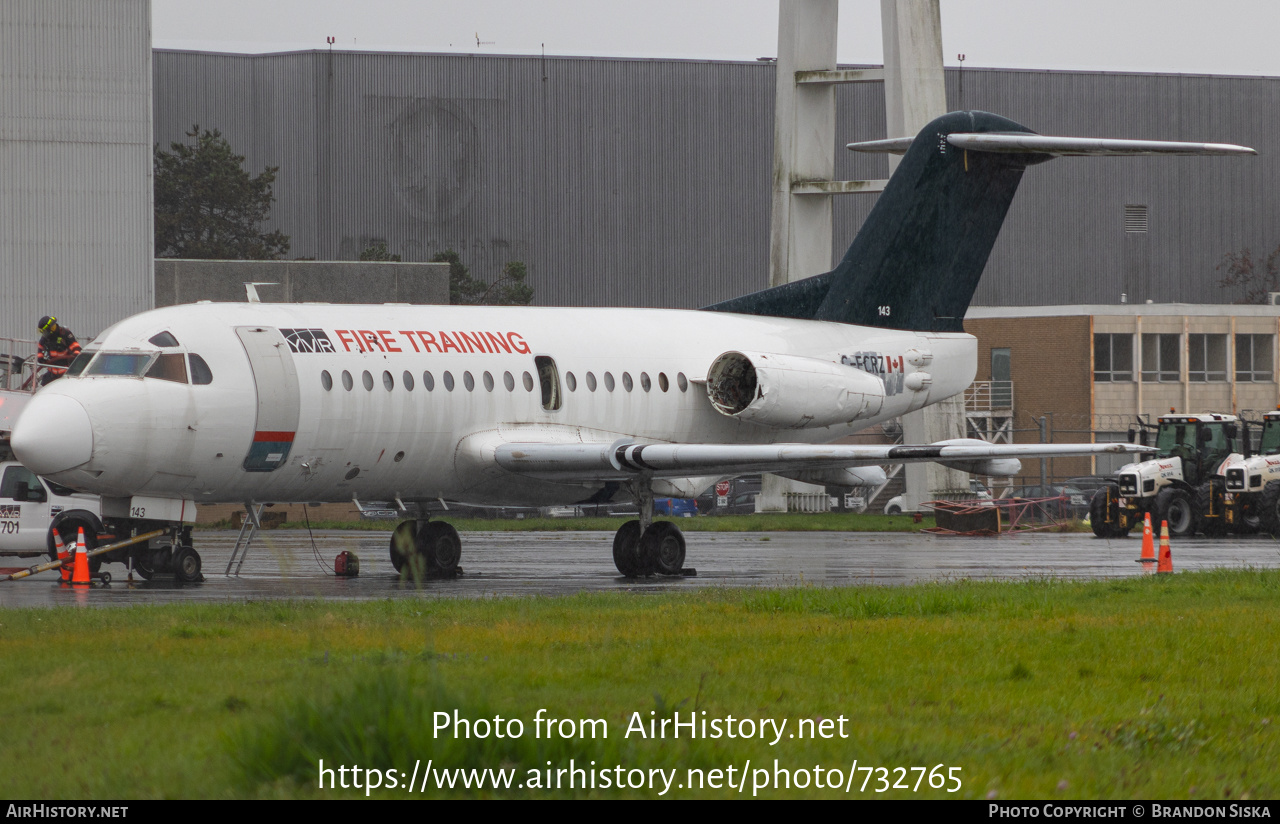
(426, 549)
(643, 547)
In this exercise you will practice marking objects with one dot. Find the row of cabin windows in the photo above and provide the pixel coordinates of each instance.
(548, 379)
(1207, 358)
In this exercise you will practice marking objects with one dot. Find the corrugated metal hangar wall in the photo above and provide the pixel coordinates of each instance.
(646, 182)
(75, 162)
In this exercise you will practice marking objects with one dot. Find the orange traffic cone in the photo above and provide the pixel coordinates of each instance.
(1148, 558)
(1166, 558)
(80, 574)
(60, 552)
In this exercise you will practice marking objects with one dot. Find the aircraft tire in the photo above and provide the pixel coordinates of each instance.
(628, 552)
(186, 565)
(440, 543)
(404, 544)
(1175, 507)
(142, 566)
(665, 545)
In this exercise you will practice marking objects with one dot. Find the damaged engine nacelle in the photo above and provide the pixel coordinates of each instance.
(791, 392)
(998, 467)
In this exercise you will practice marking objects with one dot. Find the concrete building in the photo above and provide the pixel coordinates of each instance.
(1091, 371)
(75, 163)
(647, 182)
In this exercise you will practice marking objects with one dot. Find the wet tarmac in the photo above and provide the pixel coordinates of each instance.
(284, 564)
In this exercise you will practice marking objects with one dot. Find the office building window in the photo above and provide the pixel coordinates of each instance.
(1161, 361)
(1206, 358)
(1254, 363)
(1112, 358)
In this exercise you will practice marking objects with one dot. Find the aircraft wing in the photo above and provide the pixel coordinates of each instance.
(626, 459)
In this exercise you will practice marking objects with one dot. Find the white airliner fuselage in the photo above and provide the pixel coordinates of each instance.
(384, 402)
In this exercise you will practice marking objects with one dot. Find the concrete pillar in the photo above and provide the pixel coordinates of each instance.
(804, 141)
(914, 94)
(804, 147)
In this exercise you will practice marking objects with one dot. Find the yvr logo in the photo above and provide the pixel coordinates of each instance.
(307, 340)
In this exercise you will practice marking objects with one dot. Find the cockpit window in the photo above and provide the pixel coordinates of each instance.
(169, 368)
(132, 364)
(82, 360)
(164, 339)
(201, 375)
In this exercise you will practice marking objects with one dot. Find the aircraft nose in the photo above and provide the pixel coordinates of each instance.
(52, 434)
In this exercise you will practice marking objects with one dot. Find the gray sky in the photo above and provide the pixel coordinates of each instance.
(1117, 35)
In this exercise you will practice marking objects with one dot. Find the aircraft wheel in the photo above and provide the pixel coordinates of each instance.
(1174, 506)
(439, 543)
(186, 565)
(664, 543)
(629, 552)
(142, 566)
(404, 544)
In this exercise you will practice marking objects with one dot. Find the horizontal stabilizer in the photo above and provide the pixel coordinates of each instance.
(1073, 146)
(1037, 144)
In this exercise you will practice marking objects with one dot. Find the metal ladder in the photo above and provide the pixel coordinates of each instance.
(248, 529)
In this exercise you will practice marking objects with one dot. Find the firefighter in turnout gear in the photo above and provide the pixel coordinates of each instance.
(57, 348)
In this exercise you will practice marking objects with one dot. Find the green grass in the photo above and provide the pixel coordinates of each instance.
(781, 522)
(1138, 688)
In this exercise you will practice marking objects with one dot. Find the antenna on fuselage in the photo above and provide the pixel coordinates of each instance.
(251, 289)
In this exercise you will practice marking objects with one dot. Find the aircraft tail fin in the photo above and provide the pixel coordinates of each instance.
(916, 262)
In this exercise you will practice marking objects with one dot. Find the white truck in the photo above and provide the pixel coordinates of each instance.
(1250, 496)
(1175, 486)
(30, 505)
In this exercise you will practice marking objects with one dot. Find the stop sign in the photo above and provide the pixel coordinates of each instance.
(722, 488)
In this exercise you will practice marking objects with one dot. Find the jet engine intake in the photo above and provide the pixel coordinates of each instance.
(791, 391)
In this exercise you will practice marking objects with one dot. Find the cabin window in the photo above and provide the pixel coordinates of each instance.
(591, 381)
(407, 380)
(571, 381)
(663, 384)
(488, 382)
(549, 378)
(388, 382)
(682, 382)
(169, 368)
(508, 381)
(448, 380)
(645, 383)
(528, 382)
(626, 381)
(326, 380)
(77, 366)
(428, 381)
(202, 375)
(131, 364)
(164, 339)
(608, 381)
(468, 381)
(347, 383)
(367, 380)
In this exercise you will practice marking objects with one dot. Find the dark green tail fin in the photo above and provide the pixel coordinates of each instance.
(916, 261)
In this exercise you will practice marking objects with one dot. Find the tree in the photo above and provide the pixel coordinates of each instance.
(1255, 277)
(208, 207)
(378, 251)
(509, 289)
